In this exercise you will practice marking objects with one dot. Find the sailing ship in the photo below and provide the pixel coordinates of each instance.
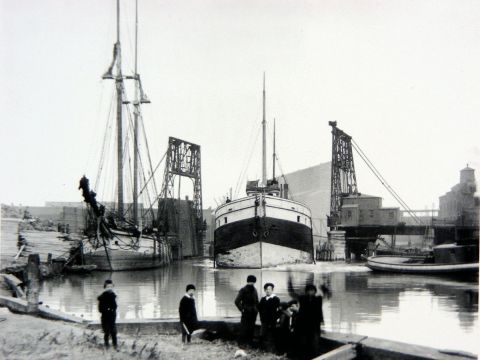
(264, 228)
(119, 235)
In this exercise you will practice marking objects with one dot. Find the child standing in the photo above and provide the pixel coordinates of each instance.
(268, 310)
(188, 314)
(107, 305)
(286, 342)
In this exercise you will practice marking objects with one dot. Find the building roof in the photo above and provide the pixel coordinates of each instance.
(363, 196)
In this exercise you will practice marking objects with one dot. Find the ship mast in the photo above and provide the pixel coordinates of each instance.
(136, 111)
(140, 98)
(273, 162)
(119, 88)
(264, 142)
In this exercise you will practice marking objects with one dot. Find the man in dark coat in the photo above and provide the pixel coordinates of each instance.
(310, 317)
(268, 310)
(107, 306)
(247, 301)
(188, 314)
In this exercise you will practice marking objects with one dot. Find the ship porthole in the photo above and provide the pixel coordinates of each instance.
(254, 234)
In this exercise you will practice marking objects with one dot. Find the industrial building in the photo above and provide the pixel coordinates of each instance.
(459, 205)
(361, 209)
(311, 186)
(458, 216)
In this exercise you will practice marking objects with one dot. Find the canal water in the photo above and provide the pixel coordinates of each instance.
(434, 311)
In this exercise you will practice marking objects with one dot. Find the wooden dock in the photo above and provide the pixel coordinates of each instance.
(47, 242)
(53, 248)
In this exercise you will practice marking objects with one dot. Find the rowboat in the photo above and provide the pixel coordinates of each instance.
(417, 265)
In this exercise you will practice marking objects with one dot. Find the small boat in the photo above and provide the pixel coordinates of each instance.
(417, 265)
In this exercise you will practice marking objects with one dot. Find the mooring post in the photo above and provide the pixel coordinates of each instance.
(82, 253)
(33, 275)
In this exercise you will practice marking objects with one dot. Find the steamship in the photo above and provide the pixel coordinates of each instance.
(264, 228)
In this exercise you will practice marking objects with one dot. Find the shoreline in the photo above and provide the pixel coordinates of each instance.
(298, 269)
(75, 337)
(25, 337)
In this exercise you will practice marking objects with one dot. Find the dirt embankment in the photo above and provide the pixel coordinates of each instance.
(27, 337)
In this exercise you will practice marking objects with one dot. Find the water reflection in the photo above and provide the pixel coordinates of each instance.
(410, 308)
(432, 311)
(426, 310)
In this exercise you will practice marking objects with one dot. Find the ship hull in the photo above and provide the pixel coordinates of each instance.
(119, 256)
(122, 260)
(261, 240)
(260, 255)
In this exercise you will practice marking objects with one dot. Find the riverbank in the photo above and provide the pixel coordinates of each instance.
(28, 337)
(23, 336)
(405, 308)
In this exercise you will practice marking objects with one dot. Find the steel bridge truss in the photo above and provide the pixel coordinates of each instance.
(343, 179)
(183, 159)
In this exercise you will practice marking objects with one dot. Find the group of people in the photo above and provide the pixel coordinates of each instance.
(107, 306)
(291, 328)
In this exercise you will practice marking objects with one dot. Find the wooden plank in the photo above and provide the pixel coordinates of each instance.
(19, 252)
(45, 242)
(345, 352)
(14, 283)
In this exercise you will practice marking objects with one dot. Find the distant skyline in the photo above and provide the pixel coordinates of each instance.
(401, 77)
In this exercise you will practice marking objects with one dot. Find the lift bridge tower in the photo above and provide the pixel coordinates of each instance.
(357, 220)
(343, 179)
(181, 221)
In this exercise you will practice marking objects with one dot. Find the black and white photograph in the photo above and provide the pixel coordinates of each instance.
(224, 179)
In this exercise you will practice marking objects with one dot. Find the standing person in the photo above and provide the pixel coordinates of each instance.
(247, 301)
(107, 306)
(188, 314)
(268, 309)
(310, 316)
(285, 328)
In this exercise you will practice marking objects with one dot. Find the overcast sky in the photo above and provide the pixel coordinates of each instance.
(402, 77)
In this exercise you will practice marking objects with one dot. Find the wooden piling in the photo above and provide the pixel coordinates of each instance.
(82, 252)
(33, 276)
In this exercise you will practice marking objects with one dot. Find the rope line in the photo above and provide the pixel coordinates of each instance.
(105, 144)
(244, 172)
(149, 157)
(384, 182)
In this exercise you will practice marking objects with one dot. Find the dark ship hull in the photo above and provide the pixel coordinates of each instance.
(262, 231)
